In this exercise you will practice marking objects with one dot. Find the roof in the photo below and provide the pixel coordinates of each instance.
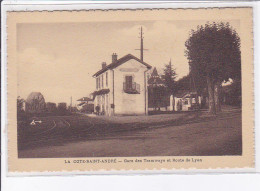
(82, 103)
(101, 92)
(85, 99)
(155, 78)
(119, 62)
(227, 88)
(154, 73)
(184, 93)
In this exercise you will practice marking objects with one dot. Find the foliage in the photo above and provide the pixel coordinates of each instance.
(214, 56)
(214, 50)
(20, 102)
(169, 77)
(35, 103)
(157, 97)
(87, 108)
(232, 94)
(62, 108)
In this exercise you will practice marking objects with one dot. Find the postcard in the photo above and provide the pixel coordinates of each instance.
(130, 90)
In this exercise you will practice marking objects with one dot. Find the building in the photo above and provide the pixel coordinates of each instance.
(121, 87)
(85, 104)
(186, 101)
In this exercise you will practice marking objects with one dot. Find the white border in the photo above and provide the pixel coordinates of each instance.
(77, 5)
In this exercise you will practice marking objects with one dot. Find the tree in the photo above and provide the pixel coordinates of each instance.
(156, 96)
(169, 77)
(20, 102)
(157, 91)
(214, 54)
(62, 108)
(35, 103)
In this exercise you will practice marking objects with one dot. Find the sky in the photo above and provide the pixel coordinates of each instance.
(59, 59)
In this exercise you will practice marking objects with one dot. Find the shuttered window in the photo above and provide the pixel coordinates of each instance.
(129, 81)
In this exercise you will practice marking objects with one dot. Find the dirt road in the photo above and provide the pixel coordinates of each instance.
(199, 137)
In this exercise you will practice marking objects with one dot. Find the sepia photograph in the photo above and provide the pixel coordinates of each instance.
(157, 88)
(130, 89)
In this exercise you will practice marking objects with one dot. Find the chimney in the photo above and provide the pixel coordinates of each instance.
(114, 57)
(104, 65)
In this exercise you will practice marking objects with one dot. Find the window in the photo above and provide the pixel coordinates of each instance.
(129, 81)
(106, 79)
(96, 83)
(131, 87)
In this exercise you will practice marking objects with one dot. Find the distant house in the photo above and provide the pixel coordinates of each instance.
(121, 87)
(85, 104)
(186, 100)
(188, 96)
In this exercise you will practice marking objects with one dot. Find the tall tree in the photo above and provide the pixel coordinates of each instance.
(156, 91)
(214, 54)
(169, 77)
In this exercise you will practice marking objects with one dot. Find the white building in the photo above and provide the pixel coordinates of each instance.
(82, 102)
(121, 87)
(185, 101)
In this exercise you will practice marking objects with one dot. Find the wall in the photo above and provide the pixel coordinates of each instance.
(130, 104)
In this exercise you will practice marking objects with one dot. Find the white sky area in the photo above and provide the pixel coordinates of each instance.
(59, 59)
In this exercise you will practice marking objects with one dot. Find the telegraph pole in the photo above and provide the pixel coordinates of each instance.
(142, 45)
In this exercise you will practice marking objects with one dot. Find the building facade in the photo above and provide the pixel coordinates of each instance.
(121, 87)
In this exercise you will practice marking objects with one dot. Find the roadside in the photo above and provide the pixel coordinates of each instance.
(196, 137)
(77, 129)
(175, 117)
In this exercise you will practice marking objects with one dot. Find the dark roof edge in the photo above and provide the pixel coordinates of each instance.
(119, 62)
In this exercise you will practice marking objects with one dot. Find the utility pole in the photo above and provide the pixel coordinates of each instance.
(142, 45)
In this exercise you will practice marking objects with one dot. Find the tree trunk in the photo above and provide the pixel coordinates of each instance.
(217, 92)
(212, 108)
